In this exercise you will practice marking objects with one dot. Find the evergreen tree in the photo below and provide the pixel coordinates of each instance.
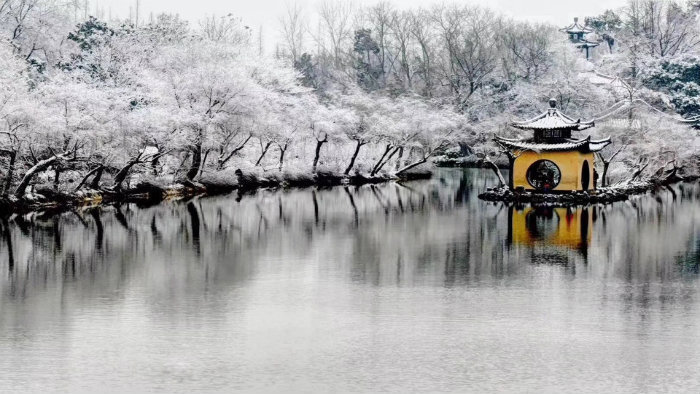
(368, 74)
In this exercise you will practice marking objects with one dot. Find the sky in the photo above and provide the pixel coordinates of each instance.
(266, 13)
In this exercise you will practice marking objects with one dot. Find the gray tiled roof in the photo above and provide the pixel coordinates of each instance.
(577, 28)
(553, 119)
(584, 145)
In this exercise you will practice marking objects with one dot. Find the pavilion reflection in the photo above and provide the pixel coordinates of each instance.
(568, 227)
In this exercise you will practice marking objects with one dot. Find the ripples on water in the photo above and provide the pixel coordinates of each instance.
(392, 287)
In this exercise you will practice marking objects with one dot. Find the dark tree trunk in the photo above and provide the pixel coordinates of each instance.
(381, 165)
(122, 174)
(511, 164)
(670, 176)
(641, 166)
(90, 173)
(10, 174)
(56, 177)
(196, 162)
(224, 158)
(37, 168)
(354, 156)
(386, 152)
(265, 148)
(95, 184)
(154, 165)
(319, 145)
(412, 165)
(497, 171)
(465, 149)
(203, 165)
(283, 150)
(398, 159)
(604, 177)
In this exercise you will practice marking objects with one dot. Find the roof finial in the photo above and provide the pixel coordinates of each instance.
(576, 19)
(552, 103)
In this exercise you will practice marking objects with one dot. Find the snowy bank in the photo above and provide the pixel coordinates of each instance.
(603, 195)
(45, 198)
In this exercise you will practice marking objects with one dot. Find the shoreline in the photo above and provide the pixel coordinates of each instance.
(150, 193)
(467, 162)
(603, 195)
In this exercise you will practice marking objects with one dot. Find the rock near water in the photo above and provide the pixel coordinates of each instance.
(603, 195)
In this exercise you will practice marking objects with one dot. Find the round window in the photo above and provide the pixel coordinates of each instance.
(543, 175)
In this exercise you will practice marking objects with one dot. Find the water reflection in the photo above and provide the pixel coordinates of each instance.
(397, 233)
(348, 270)
(387, 233)
(547, 226)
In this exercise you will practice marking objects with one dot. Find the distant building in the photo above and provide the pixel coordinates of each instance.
(622, 92)
(552, 161)
(620, 89)
(577, 35)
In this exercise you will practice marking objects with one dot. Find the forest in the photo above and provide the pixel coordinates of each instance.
(89, 103)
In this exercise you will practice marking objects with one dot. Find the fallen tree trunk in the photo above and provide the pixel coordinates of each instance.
(642, 164)
(95, 184)
(40, 166)
(90, 173)
(122, 174)
(405, 168)
(224, 158)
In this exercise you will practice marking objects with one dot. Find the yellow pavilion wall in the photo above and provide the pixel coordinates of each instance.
(570, 164)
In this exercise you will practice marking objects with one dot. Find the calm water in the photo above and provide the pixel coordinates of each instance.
(415, 287)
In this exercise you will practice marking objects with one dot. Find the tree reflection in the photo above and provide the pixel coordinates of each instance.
(194, 227)
(7, 237)
(425, 232)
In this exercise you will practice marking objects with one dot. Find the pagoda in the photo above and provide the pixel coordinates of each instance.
(551, 160)
(577, 35)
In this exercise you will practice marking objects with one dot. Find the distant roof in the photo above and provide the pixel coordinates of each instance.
(577, 28)
(552, 119)
(583, 145)
(598, 78)
(615, 81)
(585, 43)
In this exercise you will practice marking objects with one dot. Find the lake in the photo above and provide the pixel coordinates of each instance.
(395, 287)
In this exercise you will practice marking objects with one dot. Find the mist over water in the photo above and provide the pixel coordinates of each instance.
(417, 286)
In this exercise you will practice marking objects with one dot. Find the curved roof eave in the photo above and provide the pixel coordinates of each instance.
(585, 144)
(552, 119)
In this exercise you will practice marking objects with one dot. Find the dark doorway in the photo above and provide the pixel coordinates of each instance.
(585, 175)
